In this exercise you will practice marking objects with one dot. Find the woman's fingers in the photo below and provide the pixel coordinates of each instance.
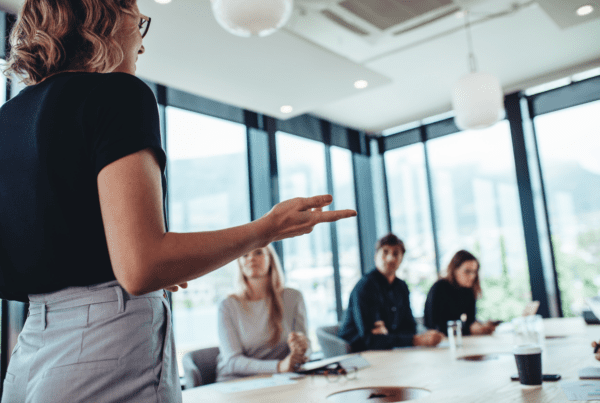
(175, 288)
(298, 216)
(307, 203)
(331, 216)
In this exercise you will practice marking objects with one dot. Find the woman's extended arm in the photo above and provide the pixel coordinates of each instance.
(146, 258)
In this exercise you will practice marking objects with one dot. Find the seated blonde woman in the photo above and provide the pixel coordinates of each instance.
(262, 327)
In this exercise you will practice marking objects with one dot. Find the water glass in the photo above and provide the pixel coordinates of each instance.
(454, 333)
(529, 330)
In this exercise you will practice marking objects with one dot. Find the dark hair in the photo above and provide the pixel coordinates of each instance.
(51, 36)
(457, 260)
(390, 240)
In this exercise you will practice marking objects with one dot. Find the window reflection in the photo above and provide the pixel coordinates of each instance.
(569, 146)
(307, 259)
(208, 190)
(477, 208)
(411, 220)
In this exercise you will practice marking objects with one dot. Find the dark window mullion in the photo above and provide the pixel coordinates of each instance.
(335, 257)
(436, 245)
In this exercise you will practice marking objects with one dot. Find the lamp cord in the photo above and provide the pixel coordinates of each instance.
(472, 61)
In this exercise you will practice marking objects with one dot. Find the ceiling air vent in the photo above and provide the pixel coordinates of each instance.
(427, 21)
(384, 14)
(340, 21)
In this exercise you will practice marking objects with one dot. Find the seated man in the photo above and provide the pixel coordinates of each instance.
(379, 315)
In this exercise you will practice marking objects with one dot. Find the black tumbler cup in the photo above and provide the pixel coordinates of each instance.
(529, 364)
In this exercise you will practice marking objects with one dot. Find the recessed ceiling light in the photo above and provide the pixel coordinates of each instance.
(585, 10)
(459, 14)
(163, 1)
(360, 84)
(286, 109)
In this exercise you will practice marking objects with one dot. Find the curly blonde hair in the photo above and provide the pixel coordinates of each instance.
(51, 36)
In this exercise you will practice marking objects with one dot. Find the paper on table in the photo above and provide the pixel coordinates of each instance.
(589, 373)
(581, 390)
(250, 384)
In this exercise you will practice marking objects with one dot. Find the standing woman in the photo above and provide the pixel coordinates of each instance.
(262, 327)
(455, 296)
(83, 235)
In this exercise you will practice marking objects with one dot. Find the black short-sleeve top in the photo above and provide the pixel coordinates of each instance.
(55, 138)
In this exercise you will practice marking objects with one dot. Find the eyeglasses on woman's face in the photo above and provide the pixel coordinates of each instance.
(144, 24)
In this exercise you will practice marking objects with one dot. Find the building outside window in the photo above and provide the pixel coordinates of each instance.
(208, 190)
(307, 259)
(477, 208)
(569, 149)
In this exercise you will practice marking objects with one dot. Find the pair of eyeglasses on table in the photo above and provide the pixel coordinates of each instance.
(334, 372)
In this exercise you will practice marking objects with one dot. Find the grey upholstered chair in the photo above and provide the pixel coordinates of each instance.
(331, 344)
(200, 367)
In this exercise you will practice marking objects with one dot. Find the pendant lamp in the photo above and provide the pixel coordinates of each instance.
(252, 17)
(477, 97)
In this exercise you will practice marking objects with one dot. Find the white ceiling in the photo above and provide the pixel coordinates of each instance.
(312, 66)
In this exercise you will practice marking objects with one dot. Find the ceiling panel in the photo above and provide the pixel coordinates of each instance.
(410, 76)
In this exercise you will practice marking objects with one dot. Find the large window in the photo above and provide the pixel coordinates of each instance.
(477, 208)
(347, 230)
(569, 147)
(411, 220)
(307, 259)
(208, 190)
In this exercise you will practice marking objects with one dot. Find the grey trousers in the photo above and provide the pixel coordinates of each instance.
(94, 344)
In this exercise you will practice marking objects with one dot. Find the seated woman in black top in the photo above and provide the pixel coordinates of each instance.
(454, 297)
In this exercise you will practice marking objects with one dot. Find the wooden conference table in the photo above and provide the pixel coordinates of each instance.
(567, 349)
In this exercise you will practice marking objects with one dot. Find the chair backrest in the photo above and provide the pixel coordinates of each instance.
(200, 367)
(331, 344)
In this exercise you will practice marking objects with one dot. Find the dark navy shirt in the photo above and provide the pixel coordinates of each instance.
(55, 138)
(373, 299)
(448, 302)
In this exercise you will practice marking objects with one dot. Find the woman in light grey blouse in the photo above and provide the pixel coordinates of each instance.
(262, 327)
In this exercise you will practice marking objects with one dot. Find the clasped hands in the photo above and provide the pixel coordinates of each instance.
(478, 328)
(298, 344)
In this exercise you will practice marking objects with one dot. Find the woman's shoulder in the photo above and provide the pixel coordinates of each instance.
(441, 284)
(229, 302)
(292, 294)
(121, 83)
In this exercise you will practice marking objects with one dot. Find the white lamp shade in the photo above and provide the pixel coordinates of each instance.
(252, 17)
(477, 100)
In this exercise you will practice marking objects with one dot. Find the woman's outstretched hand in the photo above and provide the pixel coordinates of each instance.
(298, 216)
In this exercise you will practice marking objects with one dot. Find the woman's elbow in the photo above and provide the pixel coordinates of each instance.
(136, 278)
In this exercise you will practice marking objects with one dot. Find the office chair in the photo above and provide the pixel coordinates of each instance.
(200, 367)
(331, 344)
